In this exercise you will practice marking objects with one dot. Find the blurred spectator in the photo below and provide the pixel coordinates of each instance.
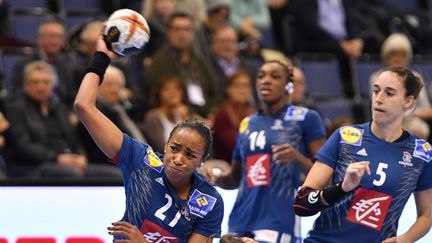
(157, 13)
(170, 109)
(298, 95)
(226, 57)
(4, 128)
(177, 58)
(217, 16)
(44, 141)
(4, 11)
(110, 101)
(397, 51)
(250, 17)
(51, 38)
(279, 13)
(333, 26)
(238, 105)
(195, 8)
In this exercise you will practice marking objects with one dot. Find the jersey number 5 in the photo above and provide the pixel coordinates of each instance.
(160, 212)
(381, 173)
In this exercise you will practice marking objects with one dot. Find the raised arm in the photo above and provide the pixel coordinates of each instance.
(105, 133)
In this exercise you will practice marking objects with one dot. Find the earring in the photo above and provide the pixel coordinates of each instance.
(289, 87)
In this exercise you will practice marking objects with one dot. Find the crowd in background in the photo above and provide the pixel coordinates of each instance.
(200, 62)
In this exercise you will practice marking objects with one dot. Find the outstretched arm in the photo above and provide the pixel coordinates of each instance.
(105, 133)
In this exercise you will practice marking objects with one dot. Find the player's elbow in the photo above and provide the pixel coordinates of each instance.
(303, 211)
(307, 202)
(81, 107)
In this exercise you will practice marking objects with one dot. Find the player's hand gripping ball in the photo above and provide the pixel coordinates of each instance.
(126, 32)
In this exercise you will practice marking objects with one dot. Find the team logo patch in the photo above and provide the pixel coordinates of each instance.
(406, 159)
(154, 233)
(258, 170)
(295, 113)
(351, 135)
(369, 208)
(152, 160)
(278, 125)
(423, 150)
(244, 124)
(201, 204)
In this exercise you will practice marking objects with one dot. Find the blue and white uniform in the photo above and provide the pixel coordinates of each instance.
(154, 207)
(264, 205)
(371, 212)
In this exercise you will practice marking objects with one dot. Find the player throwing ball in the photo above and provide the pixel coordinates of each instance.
(373, 168)
(166, 200)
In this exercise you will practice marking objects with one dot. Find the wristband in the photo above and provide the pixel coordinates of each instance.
(333, 193)
(99, 64)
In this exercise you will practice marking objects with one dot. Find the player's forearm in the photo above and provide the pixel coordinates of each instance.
(227, 182)
(420, 228)
(303, 162)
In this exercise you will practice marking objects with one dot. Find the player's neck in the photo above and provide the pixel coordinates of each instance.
(182, 189)
(270, 108)
(387, 132)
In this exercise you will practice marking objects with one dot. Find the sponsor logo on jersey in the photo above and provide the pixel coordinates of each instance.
(369, 208)
(423, 150)
(277, 125)
(295, 113)
(152, 160)
(406, 159)
(200, 204)
(258, 170)
(244, 124)
(362, 152)
(160, 181)
(154, 233)
(351, 135)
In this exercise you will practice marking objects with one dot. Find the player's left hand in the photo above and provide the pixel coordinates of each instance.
(284, 153)
(396, 240)
(128, 231)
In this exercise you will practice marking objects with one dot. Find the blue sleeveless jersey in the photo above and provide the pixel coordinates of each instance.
(371, 212)
(267, 189)
(154, 207)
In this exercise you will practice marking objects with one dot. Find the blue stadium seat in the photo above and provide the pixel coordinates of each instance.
(363, 68)
(322, 75)
(75, 5)
(8, 59)
(331, 109)
(423, 65)
(28, 4)
(25, 22)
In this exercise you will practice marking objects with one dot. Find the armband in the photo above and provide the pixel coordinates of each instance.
(308, 203)
(99, 64)
(333, 193)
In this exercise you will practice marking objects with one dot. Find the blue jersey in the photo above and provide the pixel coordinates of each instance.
(267, 189)
(371, 212)
(154, 207)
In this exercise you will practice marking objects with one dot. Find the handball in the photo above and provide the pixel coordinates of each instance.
(126, 32)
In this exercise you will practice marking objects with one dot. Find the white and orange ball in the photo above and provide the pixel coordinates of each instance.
(126, 32)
